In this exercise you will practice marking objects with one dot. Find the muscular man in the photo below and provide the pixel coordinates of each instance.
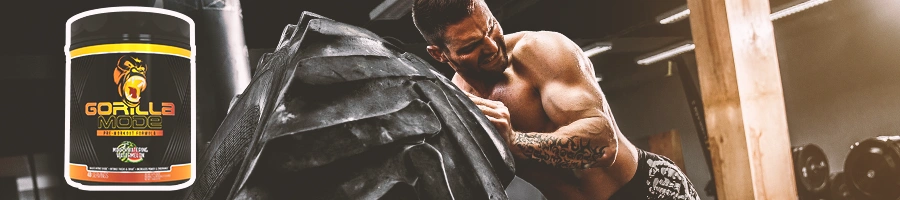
(540, 92)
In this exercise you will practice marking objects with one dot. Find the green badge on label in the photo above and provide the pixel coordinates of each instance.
(128, 152)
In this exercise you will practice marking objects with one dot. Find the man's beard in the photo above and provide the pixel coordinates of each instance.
(480, 71)
(499, 62)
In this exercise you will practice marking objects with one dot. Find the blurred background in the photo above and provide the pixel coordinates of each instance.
(838, 63)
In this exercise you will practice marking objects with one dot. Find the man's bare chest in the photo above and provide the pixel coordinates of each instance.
(524, 104)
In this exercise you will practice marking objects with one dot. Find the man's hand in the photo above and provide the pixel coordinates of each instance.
(498, 114)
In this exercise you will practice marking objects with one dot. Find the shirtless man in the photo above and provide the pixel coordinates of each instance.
(540, 92)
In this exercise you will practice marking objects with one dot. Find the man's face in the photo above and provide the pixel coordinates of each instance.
(475, 46)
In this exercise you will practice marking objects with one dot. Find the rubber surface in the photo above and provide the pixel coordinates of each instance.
(336, 112)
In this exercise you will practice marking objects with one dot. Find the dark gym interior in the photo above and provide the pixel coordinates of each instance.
(838, 63)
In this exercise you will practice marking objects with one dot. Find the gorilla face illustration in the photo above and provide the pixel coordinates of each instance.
(130, 76)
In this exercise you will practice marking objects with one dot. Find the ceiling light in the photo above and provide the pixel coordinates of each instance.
(677, 14)
(596, 48)
(796, 8)
(683, 12)
(669, 52)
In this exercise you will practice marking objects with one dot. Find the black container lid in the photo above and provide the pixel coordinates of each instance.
(130, 27)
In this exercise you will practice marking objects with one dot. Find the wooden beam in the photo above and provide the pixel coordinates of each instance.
(668, 144)
(741, 87)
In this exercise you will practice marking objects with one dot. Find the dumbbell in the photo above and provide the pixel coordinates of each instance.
(810, 171)
(873, 168)
(839, 187)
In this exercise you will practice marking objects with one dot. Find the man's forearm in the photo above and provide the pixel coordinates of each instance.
(579, 145)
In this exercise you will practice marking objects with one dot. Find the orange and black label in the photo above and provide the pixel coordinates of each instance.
(130, 115)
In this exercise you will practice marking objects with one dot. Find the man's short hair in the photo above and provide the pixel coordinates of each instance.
(433, 16)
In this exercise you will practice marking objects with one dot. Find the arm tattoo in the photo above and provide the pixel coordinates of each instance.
(560, 151)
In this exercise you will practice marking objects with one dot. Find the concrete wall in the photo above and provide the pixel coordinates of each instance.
(840, 64)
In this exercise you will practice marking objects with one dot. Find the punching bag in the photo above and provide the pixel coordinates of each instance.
(223, 68)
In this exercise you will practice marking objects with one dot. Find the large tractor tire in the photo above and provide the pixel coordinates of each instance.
(337, 112)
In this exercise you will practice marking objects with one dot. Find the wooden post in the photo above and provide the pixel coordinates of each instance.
(668, 144)
(741, 87)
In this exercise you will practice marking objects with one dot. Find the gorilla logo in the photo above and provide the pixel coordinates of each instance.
(130, 77)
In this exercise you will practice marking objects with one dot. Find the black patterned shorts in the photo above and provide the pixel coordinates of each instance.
(657, 177)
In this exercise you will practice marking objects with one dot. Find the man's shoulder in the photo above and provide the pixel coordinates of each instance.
(543, 45)
(544, 53)
(534, 41)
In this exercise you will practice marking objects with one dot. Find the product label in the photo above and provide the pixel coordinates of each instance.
(130, 115)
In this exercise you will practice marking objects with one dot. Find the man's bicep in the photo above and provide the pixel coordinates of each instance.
(555, 65)
(565, 103)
